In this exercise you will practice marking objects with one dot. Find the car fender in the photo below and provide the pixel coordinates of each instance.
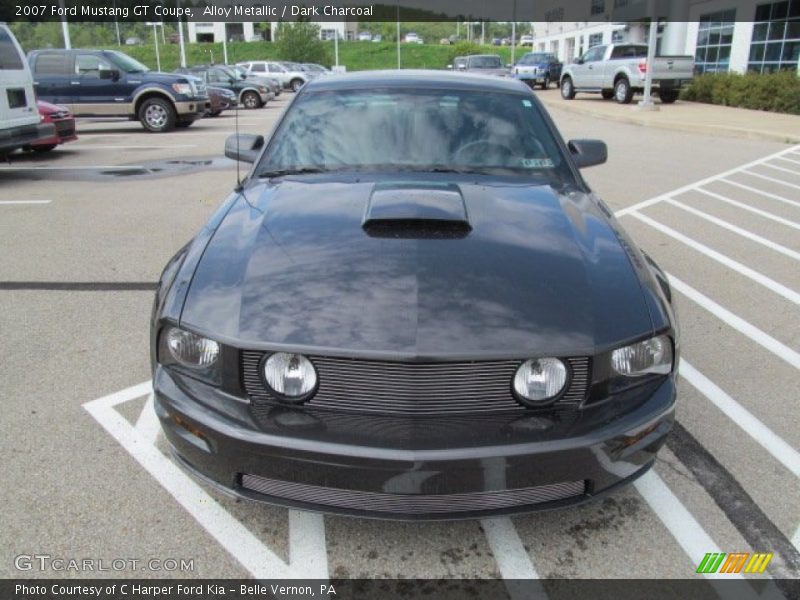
(149, 88)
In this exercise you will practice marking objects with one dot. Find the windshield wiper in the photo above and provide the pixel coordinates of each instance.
(294, 171)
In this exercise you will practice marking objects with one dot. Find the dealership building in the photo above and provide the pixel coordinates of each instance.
(246, 32)
(722, 35)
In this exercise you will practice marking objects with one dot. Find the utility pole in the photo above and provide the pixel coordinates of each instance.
(647, 102)
(65, 27)
(398, 34)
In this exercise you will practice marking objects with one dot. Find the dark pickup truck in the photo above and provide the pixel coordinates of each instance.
(107, 83)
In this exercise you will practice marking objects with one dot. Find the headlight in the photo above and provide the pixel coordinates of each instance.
(290, 376)
(540, 379)
(183, 88)
(643, 358)
(191, 350)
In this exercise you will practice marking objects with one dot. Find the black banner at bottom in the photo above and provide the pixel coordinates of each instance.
(394, 589)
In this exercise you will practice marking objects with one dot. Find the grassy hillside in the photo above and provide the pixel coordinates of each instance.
(356, 56)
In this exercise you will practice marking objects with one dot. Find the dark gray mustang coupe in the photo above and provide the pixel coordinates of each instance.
(415, 308)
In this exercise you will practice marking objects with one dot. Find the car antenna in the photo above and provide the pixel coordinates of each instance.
(239, 187)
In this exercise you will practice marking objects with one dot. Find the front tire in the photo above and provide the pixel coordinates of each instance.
(567, 89)
(668, 96)
(623, 93)
(251, 100)
(296, 84)
(157, 115)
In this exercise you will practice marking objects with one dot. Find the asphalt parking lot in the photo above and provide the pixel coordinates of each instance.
(86, 229)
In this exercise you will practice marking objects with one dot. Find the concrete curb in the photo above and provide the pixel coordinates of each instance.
(690, 127)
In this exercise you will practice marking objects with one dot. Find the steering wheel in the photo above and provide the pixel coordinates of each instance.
(505, 150)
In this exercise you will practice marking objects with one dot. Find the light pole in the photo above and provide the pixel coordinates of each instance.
(398, 34)
(336, 46)
(647, 101)
(180, 40)
(65, 27)
(155, 40)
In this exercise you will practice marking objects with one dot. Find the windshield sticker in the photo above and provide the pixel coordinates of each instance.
(537, 163)
(527, 103)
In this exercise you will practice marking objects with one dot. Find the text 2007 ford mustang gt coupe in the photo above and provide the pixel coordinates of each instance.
(414, 307)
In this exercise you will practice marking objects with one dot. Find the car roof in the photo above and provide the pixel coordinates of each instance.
(418, 78)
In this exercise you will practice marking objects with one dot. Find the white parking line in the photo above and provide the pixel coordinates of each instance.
(749, 423)
(763, 339)
(797, 162)
(148, 424)
(752, 209)
(773, 179)
(10, 202)
(777, 168)
(73, 168)
(147, 147)
(796, 538)
(768, 283)
(762, 192)
(307, 545)
(696, 184)
(735, 229)
(512, 559)
(237, 539)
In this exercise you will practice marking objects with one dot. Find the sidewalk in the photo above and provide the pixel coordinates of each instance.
(684, 116)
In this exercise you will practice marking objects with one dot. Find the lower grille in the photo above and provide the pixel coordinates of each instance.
(413, 503)
(413, 389)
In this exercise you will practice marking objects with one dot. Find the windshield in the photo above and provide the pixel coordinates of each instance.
(413, 130)
(127, 64)
(485, 62)
(532, 59)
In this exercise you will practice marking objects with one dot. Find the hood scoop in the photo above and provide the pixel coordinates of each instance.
(407, 211)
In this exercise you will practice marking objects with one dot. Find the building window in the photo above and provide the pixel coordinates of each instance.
(598, 7)
(595, 39)
(714, 40)
(618, 36)
(776, 37)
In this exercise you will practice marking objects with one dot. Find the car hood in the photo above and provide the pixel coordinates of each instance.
(47, 108)
(535, 272)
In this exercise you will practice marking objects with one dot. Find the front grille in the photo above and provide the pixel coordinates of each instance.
(413, 389)
(413, 503)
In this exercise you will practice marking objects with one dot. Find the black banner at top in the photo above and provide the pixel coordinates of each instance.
(553, 11)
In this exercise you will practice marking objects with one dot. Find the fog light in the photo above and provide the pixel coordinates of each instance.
(290, 376)
(539, 380)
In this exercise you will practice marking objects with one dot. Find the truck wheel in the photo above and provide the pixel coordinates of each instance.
(607, 94)
(157, 115)
(296, 84)
(668, 96)
(251, 100)
(623, 93)
(546, 82)
(567, 89)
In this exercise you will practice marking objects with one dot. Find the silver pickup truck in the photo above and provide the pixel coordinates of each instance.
(618, 71)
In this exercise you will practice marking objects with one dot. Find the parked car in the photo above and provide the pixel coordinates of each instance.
(487, 64)
(107, 83)
(20, 123)
(63, 121)
(300, 68)
(270, 82)
(538, 68)
(251, 94)
(221, 99)
(618, 71)
(133, 41)
(526, 40)
(444, 42)
(414, 278)
(412, 38)
(289, 79)
(316, 69)
(364, 36)
(497, 42)
(377, 37)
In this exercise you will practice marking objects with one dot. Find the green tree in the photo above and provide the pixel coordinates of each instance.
(299, 42)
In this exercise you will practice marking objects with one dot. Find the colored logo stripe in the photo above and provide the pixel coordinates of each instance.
(713, 562)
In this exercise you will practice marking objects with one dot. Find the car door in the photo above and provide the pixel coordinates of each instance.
(219, 78)
(278, 72)
(593, 64)
(51, 77)
(99, 89)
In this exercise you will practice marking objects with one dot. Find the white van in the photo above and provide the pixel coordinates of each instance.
(20, 123)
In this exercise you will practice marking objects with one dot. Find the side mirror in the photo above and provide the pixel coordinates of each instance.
(244, 147)
(588, 153)
(578, 61)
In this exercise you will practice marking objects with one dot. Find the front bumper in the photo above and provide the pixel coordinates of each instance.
(64, 132)
(193, 108)
(25, 135)
(407, 468)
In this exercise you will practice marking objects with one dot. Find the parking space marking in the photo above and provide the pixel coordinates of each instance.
(776, 167)
(760, 278)
(13, 202)
(147, 147)
(237, 539)
(783, 452)
(735, 229)
(747, 329)
(148, 424)
(797, 162)
(689, 534)
(512, 559)
(752, 209)
(761, 192)
(697, 184)
(16, 167)
(307, 544)
(796, 538)
(773, 179)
